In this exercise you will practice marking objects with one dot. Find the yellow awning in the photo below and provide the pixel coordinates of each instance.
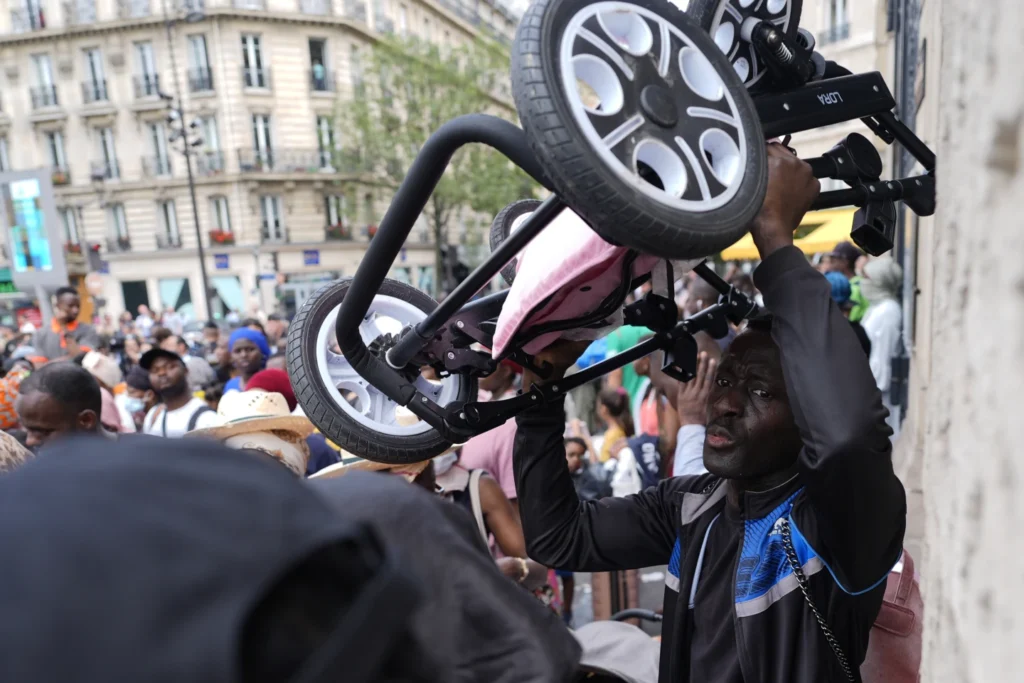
(822, 230)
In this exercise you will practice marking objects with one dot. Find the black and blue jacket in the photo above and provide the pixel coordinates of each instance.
(846, 507)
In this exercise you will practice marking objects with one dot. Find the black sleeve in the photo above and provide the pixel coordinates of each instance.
(565, 533)
(857, 511)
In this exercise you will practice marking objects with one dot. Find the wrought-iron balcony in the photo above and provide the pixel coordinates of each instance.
(95, 91)
(200, 79)
(44, 96)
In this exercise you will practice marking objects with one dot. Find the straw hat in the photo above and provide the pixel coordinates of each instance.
(245, 412)
(103, 368)
(351, 462)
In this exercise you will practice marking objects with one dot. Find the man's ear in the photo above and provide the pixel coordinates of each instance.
(88, 420)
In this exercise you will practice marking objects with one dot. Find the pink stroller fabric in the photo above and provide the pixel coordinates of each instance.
(565, 273)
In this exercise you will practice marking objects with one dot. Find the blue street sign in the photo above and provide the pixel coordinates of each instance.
(220, 261)
(310, 257)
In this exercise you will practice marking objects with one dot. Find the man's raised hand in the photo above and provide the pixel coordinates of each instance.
(792, 188)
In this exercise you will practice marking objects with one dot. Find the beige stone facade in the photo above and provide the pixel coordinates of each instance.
(81, 82)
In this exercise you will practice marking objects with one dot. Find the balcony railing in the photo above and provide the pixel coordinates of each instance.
(209, 163)
(44, 96)
(294, 161)
(103, 170)
(273, 232)
(146, 85)
(26, 20)
(258, 5)
(256, 77)
(835, 33)
(133, 9)
(168, 241)
(339, 232)
(322, 80)
(119, 244)
(321, 7)
(60, 175)
(79, 12)
(200, 79)
(155, 166)
(94, 91)
(187, 6)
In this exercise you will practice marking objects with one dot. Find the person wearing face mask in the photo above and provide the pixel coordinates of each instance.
(138, 397)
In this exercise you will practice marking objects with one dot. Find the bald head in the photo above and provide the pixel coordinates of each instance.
(700, 295)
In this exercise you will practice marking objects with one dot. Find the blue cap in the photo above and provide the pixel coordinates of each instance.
(840, 287)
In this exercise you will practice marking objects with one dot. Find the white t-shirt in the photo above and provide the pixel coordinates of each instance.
(177, 420)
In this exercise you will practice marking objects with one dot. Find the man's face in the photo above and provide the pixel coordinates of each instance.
(574, 456)
(246, 356)
(211, 335)
(276, 329)
(167, 375)
(750, 430)
(169, 344)
(147, 396)
(45, 418)
(68, 306)
(838, 264)
(222, 354)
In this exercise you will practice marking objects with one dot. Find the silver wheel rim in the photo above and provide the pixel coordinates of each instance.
(373, 409)
(740, 52)
(608, 47)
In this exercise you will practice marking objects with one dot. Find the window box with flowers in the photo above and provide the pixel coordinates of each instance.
(222, 237)
(338, 231)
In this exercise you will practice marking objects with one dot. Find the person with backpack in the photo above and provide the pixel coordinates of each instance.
(178, 411)
(778, 557)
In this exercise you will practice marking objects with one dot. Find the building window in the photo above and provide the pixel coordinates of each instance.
(147, 83)
(426, 30)
(5, 162)
(334, 209)
(94, 89)
(273, 219)
(118, 239)
(403, 21)
(326, 140)
(69, 217)
(45, 92)
(261, 141)
(355, 64)
(210, 159)
(160, 162)
(254, 75)
(220, 217)
(321, 80)
(170, 237)
(200, 76)
(55, 147)
(108, 167)
(837, 26)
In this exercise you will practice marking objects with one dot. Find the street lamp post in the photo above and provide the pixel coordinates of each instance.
(178, 115)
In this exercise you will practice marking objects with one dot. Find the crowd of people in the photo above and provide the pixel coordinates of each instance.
(782, 434)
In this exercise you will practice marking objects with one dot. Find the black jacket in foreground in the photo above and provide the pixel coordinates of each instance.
(846, 507)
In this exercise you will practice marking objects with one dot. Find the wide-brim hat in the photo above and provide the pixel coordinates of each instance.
(246, 412)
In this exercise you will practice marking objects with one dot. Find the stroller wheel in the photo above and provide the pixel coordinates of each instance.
(507, 220)
(346, 408)
(723, 19)
(640, 122)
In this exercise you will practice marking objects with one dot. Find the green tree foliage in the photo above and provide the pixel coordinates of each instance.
(406, 91)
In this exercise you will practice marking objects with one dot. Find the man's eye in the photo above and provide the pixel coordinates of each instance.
(723, 382)
(761, 393)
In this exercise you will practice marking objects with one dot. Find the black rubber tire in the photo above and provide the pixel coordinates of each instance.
(502, 227)
(704, 11)
(321, 408)
(617, 211)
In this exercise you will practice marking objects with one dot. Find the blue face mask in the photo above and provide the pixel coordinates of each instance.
(133, 404)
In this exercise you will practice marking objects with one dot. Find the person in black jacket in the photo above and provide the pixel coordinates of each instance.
(797, 447)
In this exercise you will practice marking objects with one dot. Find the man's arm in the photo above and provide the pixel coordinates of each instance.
(563, 532)
(858, 505)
